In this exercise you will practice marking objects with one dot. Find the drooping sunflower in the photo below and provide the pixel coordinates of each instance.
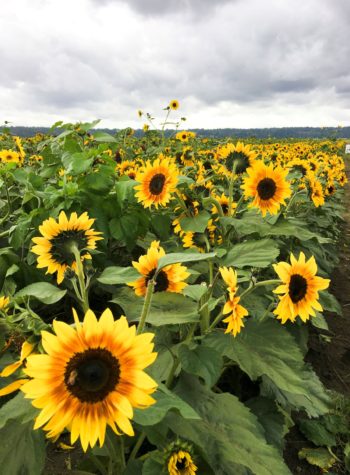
(169, 279)
(181, 463)
(91, 375)
(237, 158)
(224, 202)
(157, 181)
(299, 290)
(54, 247)
(235, 312)
(316, 191)
(268, 186)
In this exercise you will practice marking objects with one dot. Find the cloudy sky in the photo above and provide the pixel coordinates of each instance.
(230, 63)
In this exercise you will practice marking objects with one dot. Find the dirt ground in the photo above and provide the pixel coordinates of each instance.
(331, 360)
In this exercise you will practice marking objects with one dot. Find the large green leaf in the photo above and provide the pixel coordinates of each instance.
(203, 361)
(252, 253)
(22, 449)
(43, 291)
(180, 257)
(253, 223)
(166, 401)
(17, 408)
(195, 224)
(166, 308)
(229, 435)
(118, 275)
(268, 349)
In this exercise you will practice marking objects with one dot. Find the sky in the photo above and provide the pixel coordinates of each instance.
(229, 63)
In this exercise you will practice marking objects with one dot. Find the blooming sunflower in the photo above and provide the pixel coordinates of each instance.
(268, 186)
(237, 157)
(316, 191)
(300, 289)
(54, 248)
(91, 375)
(169, 279)
(157, 182)
(224, 202)
(181, 463)
(174, 105)
(8, 156)
(235, 312)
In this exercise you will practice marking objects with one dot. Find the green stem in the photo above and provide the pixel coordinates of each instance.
(99, 465)
(217, 205)
(137, 446)
(80, 272)
(267, 311)
(216, 321)
(259, 284)
(146, 306)
(291, 201)
(240, 201)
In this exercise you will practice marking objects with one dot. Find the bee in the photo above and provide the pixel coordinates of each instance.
(72, 378)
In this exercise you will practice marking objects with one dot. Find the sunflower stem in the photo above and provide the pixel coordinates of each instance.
(99, 465)
(137, 446)
(216, 203)
(217, 320)
(146, 306)
(81, 279)
(259, 284)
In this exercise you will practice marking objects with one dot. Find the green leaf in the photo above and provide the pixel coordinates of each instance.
(22, 449)
(317, 433)
(167, 308)
(17, 408)
(320, 457)
(229, 435)
(104, 137)
(195, 291)
(76, 163)
(330, 303)
(125, 189)
(268, 349)
(252, 254)
(42, 291)
(118, 275)
(166, 401)
(152, 467)
(180, 257)
(202, 361)
(195, 224)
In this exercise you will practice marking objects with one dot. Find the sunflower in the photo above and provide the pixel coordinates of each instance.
(157, 182)
(183, 136)
(268, 186)
(91, 375)
(8, 156)
(4, 301)
(174, 105)
(181, 463)
(316, 191)
(300, 289)
(27, 349)
(169, 279)
(237, 158)
(54, 248)
(224, 202)
(235, 312)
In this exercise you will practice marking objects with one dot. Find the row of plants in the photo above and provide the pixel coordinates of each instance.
(156, 295)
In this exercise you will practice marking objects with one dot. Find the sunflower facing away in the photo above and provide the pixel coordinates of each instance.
(170, 278)
(268, 186)
(299, 289)
(157, 181)
(91, 375)
(54, 248)
(235, 312)
(236, 158)
(181, 463)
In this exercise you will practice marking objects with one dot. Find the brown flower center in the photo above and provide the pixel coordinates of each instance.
(266, 188)
(297, 288)
(156, 184)
(162, 281)
(92, 374)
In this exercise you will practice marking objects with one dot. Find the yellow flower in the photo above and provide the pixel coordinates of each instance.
(181, 463)
(299, 289)
(54, 248)
(174, 104)
(145, 127)
(91, 375)
(4, 301)
(237, 158)
(268, 186)
(235, 312)
(169, 279)
(27, 349)
(157, 182)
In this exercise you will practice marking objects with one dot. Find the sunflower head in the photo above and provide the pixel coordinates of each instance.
(90, 376)
(298, 293)
(55, 247)
(179, 459)
(174, 105)
(157, 182)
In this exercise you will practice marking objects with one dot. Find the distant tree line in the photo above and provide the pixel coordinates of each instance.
(272, 132)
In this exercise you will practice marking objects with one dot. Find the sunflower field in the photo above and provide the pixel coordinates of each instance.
(156, 298)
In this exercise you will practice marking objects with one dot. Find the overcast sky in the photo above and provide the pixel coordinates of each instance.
(230, 63)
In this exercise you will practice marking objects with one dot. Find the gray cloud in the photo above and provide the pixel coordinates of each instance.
(80, 58)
